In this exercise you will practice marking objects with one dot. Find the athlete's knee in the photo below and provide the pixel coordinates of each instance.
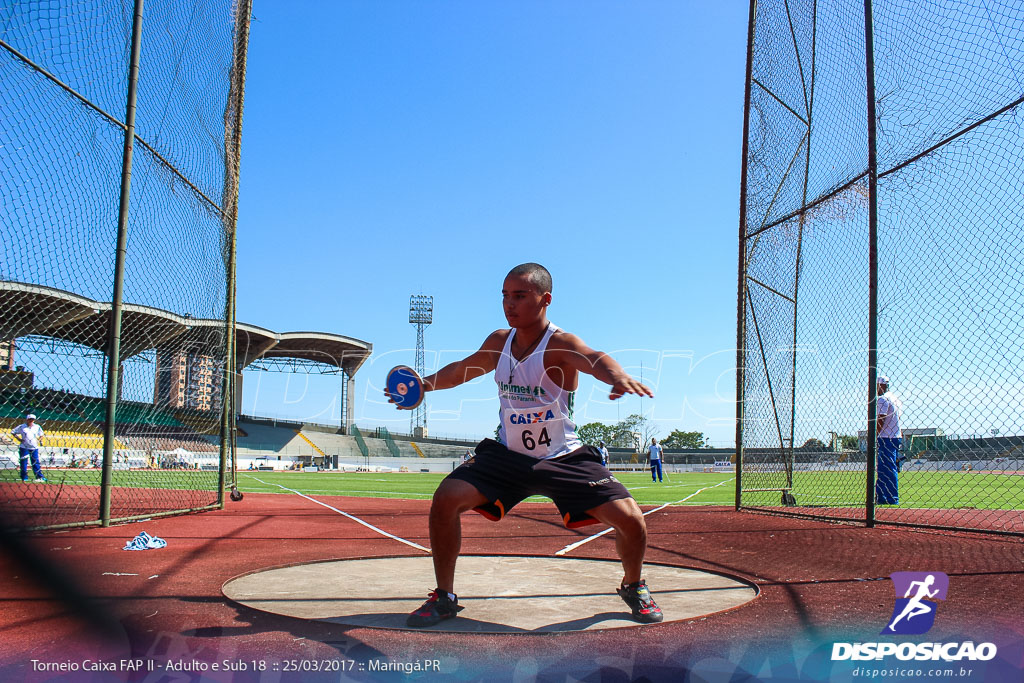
(624, 516)
(633, 525)
(453, 497)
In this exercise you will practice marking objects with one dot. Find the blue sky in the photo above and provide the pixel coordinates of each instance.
(398, 148)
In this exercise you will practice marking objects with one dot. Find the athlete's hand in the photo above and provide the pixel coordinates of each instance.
(628, 385)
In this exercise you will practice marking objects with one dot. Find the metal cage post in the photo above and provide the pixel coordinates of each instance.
(114, 339)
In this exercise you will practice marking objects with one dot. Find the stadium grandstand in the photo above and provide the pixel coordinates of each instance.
(181, 426)
(268, 444)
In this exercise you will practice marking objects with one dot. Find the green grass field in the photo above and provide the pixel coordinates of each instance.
(933, 490)
(939, 490)
(422, 485)
(153, 479)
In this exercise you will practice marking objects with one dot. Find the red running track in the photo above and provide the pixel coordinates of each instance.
(819, 583)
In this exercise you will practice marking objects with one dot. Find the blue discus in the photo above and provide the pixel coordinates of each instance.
(405, 387)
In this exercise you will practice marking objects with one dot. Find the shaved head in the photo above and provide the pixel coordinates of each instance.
(537, 274)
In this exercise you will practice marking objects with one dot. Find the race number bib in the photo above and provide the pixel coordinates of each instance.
(538, 431)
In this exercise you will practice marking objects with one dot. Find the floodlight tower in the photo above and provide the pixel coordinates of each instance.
(421, 314)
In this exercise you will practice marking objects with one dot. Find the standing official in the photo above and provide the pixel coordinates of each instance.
(654, 454)
(29, 433)
(887, 489)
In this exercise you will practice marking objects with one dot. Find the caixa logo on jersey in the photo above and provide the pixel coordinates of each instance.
(531, 418)
(916, 604)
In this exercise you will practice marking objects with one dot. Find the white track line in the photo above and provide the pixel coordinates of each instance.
(577, 544)
(345, 514)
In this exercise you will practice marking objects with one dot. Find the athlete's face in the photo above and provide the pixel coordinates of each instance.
(522, 303)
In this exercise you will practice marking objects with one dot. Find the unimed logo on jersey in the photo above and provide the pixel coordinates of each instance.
(917, 594)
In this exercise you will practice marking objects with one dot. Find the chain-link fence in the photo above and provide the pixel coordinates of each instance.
(119, 159)
(881, 237)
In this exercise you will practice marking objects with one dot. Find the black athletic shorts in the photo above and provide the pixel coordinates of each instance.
(576, 481)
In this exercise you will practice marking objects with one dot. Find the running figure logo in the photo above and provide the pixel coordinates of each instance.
(914, 612)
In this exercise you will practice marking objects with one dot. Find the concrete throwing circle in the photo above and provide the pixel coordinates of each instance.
(501, 594)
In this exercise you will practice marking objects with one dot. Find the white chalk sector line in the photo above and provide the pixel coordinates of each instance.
(577, 544)
(345, 514)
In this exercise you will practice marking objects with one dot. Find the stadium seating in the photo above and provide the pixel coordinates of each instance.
(76, 421)
(263, 438)
(74, 439)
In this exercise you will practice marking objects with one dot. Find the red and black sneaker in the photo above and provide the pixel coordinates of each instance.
(639, 599)
(437, 608)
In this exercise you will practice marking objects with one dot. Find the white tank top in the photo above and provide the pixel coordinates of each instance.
(536, 414)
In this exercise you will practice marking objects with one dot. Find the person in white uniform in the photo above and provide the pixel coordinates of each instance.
(654, 452)
(887, 454)
(29, 433)
(536, 368)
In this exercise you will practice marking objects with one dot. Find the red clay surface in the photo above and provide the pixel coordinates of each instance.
(819, 583)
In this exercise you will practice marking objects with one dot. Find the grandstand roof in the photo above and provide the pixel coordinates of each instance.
(339, 351)
(50, 312)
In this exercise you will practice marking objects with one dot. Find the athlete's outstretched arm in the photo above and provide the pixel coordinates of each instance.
(482, 361)
(576, 354)
(477, 364)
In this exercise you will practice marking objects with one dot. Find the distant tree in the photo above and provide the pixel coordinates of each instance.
(813, 445)
(679, 439)
(594, 432)
(633, 432)
(648, 430)
(849, 443)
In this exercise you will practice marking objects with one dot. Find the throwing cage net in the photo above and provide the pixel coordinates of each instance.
(881, 235)
(119, 160)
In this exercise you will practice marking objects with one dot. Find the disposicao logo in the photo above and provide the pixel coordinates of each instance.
(917, 594)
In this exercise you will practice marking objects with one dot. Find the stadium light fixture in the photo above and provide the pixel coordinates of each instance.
(421, 310)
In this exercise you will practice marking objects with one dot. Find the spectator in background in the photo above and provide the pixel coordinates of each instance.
(604, 453)
(887, 488)
(28, 434)
(654, 452)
